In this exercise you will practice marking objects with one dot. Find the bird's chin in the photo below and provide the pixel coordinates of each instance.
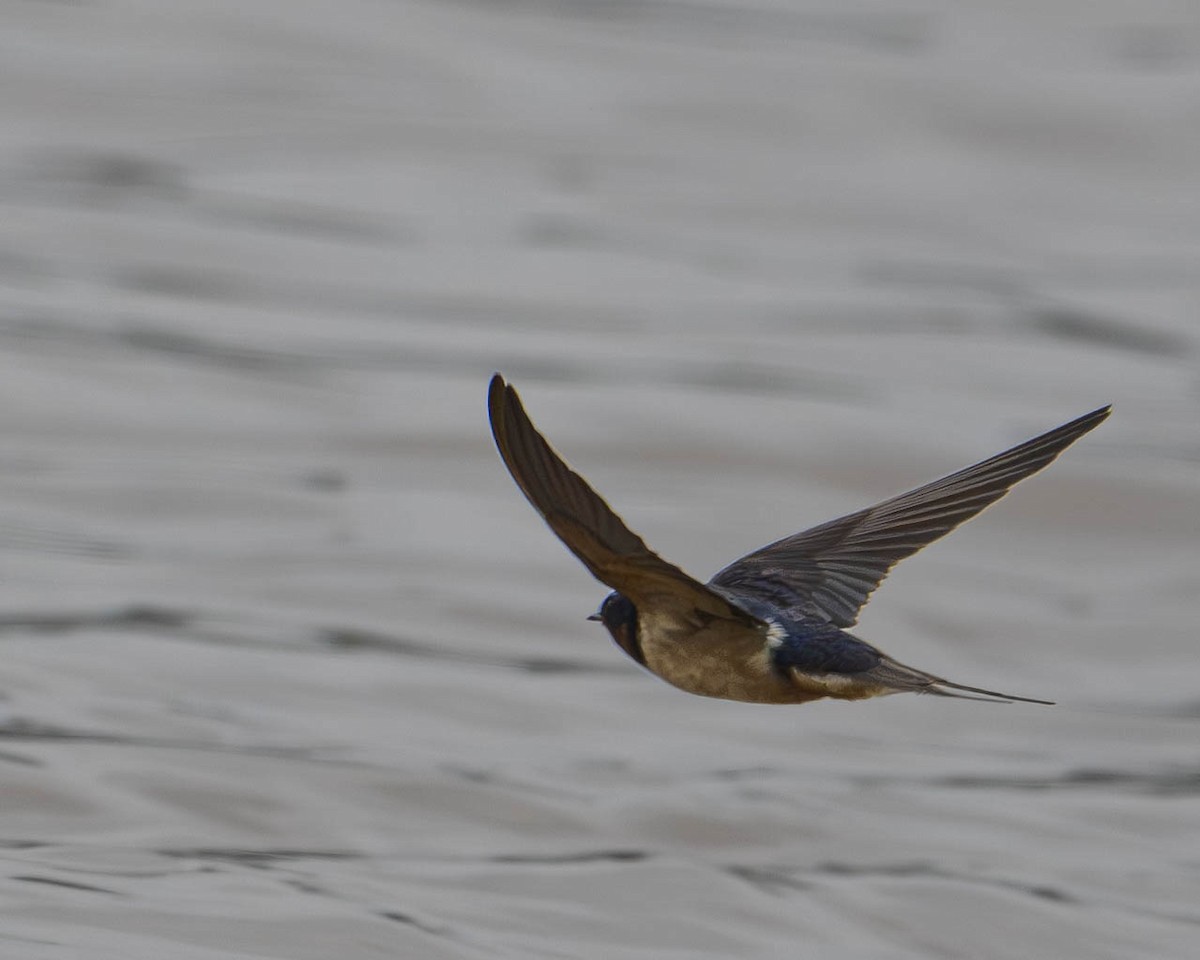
(624, 635)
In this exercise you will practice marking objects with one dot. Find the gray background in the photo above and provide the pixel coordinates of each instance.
(290, 669)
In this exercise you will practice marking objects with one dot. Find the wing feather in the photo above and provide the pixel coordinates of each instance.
(833, 568)
(589, 528)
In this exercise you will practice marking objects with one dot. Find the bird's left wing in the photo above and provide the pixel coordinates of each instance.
(613, 553)
(832, 569)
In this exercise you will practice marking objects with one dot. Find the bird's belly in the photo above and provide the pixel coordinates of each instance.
(723, 663)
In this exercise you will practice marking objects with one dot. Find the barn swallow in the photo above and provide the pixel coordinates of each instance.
(770, 627)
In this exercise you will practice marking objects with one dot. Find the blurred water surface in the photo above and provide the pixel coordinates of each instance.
(290, 669)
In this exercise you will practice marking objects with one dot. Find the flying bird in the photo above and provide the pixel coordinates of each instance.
(770, 627)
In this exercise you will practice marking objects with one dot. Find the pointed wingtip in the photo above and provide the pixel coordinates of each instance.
(1089, 421)
(496, 388)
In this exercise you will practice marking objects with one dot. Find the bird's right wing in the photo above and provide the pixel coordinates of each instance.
(589, 528)
(833, 568)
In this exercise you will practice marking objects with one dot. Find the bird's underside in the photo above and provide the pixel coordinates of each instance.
(769, 628)
(790, 661)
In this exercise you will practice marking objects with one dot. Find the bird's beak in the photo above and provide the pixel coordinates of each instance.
(595, 616)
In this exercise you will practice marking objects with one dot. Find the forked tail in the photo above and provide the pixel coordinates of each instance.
(901, 677)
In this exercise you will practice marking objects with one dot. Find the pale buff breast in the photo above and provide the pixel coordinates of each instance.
(727, 661)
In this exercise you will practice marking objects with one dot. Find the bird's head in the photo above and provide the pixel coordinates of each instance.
(619, 615)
